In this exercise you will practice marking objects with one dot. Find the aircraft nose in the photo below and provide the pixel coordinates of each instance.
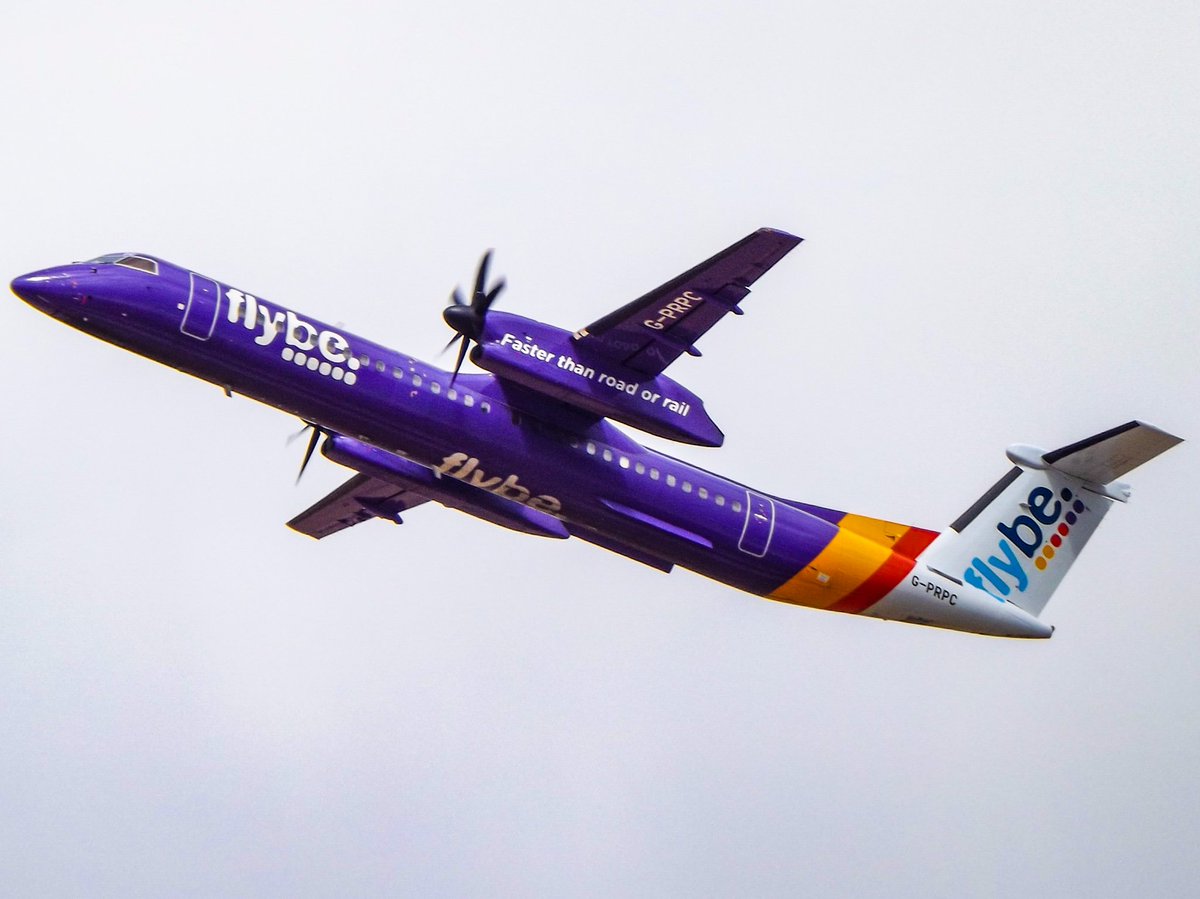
(44, 288)
(23, 287)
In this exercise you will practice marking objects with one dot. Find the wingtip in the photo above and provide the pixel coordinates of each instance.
(779, 232)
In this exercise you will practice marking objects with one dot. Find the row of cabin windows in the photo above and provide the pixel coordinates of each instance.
(605, 452)
(435, 387)
(364, 360)
(654, 474)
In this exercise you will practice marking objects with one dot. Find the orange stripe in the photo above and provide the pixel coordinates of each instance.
(839, 569)
(889, 574)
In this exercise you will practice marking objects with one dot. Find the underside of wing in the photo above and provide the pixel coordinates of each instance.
(359, 499)
(653, 331)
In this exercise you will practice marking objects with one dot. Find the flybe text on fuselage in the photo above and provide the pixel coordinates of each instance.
(507, 488)
(300, 337)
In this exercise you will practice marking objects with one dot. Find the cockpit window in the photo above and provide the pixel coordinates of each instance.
(141, 263)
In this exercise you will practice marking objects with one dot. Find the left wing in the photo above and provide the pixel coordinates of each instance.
(359, 499)
(653, 331)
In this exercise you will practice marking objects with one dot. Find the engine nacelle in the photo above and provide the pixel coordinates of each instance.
(545, 359)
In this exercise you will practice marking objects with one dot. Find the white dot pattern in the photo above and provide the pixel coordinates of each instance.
(313, 363)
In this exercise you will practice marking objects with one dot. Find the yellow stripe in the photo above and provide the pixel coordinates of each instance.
(842, 566)
(886, 533)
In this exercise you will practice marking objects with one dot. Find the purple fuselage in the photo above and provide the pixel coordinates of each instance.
(570, 470)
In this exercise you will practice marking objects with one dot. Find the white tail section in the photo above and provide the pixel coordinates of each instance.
(1018, 539)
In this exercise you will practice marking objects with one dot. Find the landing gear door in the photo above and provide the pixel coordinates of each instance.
(760, 525)
(200, 316)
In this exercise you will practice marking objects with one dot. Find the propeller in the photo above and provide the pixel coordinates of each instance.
(317, 431)
(467, 318)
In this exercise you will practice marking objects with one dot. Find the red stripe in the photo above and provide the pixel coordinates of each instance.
(914, 542)
(889, 574)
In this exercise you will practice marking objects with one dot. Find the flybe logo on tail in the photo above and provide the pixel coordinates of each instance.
(1034, 537)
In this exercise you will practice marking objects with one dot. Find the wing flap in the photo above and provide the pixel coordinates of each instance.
(359, 499)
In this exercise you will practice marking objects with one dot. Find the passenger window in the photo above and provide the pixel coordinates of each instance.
(703, 492)
(416, 380)
(468, 400)
(380, 365)
(591, 448)
(654, 474)
(435, 387)
(639, 468)
(485, 406)
(398, 374)
(623, 462)
(687, 487)
(607, 455)
(737, 507)
(364, 359)
(452, 394)
(670, 480)
(720, 500)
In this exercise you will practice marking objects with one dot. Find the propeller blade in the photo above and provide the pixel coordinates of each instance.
(481, 277)
(453, 340)
(462, 354)
(292, 438)
(308, 453)
(457, 298)
(492, 294)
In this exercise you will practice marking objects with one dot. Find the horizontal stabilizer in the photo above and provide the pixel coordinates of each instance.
(1110, 455)
(1099, 460)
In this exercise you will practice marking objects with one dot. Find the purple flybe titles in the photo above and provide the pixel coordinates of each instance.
(544, 358)
(332, 357)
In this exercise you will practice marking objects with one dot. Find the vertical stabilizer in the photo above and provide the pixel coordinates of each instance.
(1018, 540)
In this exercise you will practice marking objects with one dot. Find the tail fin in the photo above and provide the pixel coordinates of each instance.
(1018, 539)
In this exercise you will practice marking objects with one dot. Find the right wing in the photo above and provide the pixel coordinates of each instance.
(359, 499)
(654, 330)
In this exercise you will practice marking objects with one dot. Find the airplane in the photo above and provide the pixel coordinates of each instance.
(534, 444)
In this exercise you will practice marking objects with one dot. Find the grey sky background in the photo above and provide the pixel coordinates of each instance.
(1000, 202)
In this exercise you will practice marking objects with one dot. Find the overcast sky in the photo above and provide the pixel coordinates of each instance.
(1000, 203)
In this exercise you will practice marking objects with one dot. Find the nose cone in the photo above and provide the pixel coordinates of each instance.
(45, 288)
(25, 286)
(464, 320)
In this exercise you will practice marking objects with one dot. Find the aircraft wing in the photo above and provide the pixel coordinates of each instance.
(653, 331)
(359, 499)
